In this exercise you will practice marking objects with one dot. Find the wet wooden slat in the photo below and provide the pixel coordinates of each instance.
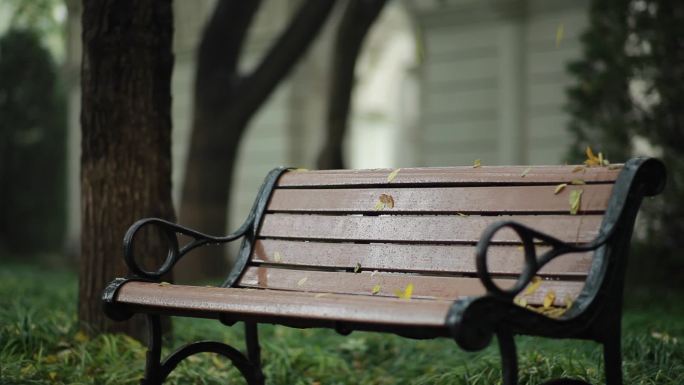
(273, 303)
(443, 288)
(422, 228)
(499, 199)
(485, 175)
(412, 258)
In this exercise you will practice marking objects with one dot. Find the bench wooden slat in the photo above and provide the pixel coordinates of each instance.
(501, 199)
(210, 301)
(417, 258)
(363, 283)
(485, 175)
(425, 228)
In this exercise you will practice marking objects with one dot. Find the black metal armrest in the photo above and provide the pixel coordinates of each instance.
(174, 252)
(533, 262)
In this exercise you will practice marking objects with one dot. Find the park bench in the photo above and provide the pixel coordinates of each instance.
(466, 253)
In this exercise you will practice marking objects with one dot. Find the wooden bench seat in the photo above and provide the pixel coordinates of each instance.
(470, 251)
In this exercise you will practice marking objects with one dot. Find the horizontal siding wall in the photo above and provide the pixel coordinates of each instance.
(466, 74)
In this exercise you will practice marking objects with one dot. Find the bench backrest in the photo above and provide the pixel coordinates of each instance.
(374, 232)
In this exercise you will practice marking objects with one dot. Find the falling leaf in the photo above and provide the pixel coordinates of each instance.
(301, 281)
(578, 168)
(81, 337)
(376, 289)
(319, 295)
(392, 175)
(575, 200)
(549, 298)
(560, 188)
(406, 293)
(560, 30)
(163, 283)
(277, 257)
(477, 163)
(534, 285)
(357, 268)
(525, 171)
(577, 182)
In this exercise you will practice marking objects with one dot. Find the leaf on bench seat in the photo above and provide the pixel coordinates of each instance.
(163, 283)
(549, 298)
(533, 286)
(560, 188)
(577, 182)
(302, 281)
(277, 257)
(579, 168)
(575, 200)
(392, 175)
(357, 268)
(376, 289)
(384, 201)
(406, 293)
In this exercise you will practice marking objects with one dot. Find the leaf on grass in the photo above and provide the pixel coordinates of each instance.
(80, 336)
(392, 175)
(560, 30)
(376, 289)
(575, 201)
(525, 171)
(549, 298)
(477, 163)
(277, 257)
(301, 281)
(533, 286)
(357, 268)
(50, 359)
(52, 375)
(163, 283)
(559, 188)
(577, 182)
(578, 168)
(406, 293)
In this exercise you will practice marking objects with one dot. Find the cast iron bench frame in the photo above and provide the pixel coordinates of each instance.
(471, 322)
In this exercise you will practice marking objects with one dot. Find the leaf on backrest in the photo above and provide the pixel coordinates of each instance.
(560, 188)
(384, 201)
(477, 163)
(301, 281)
(376, 289)
(357, 268)
(277, 257)
(163, 283)
(392, 175)
(406, 293)
(575, 200)
(577, 182)
(593, 160)
(524, 173)
(578, 168)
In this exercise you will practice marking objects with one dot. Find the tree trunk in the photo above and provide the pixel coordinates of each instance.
(126, 144)
(358, 17)
(224, 103)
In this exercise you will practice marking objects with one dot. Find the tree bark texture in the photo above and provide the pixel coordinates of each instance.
(224, 103)
(358, 17)
(126, 143)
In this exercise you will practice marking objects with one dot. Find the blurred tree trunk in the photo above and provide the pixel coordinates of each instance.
(358, 17)
(224, 102)
(126, 145)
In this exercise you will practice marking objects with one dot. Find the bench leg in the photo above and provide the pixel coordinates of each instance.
(612, 358)
(509, 358)
(157, 370)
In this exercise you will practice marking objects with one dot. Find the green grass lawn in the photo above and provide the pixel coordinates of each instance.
(40, 344)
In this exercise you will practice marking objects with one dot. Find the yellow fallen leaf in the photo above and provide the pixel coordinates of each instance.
(406, 293)
(578, 168)
(614, 167)
(357, 268)
(373, 273)
(300, 170)
(549, 298)
(376, 289)
(560, 30)
(533, 286)
(593, 160)
(477, 163)
(379, 206)
(525, 171)
(80, 336)
(560, 188)
(462, 215)
(568, 301)
(52, 375)
(387, 200)
(163, 283)
(50, 359)
(577, 182)
(277, 257)
(575, 200)
(319, 295)
(301, 281)
(392, 175)
(520, 301)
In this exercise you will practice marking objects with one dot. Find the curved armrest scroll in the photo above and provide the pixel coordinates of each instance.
(174, 252)
(533, 263)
